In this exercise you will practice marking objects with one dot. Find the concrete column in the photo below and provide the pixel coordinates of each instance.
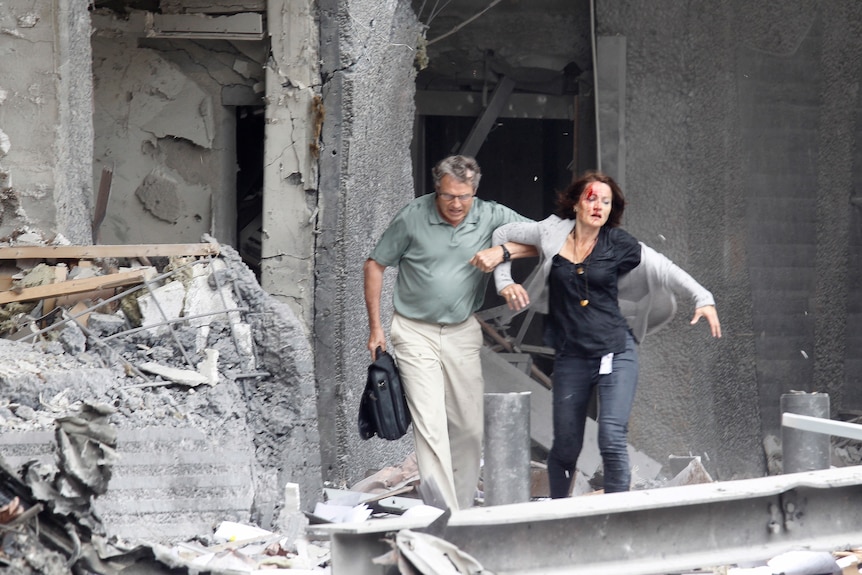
(805, 450)
(507, 448)
(290, 161)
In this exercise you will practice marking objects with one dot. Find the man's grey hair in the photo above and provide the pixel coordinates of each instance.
(462, 168)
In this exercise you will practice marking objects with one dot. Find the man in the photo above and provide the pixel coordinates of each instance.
(440, 244)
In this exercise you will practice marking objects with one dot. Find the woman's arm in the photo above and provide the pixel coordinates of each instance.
(526, 234)
(670, 275)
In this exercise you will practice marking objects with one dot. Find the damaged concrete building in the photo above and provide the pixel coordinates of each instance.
(291, 131)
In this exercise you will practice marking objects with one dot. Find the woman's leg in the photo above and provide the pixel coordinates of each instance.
(573, 383)
(616, 397)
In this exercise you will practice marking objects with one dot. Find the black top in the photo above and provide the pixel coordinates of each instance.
(598, 328)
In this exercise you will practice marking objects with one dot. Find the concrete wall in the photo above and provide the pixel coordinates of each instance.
(47, 133)
(367, 50)
(162, 128)
(741, 126)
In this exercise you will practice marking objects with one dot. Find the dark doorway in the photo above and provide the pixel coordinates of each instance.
(249, 183)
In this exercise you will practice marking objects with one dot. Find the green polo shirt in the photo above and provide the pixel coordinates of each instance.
(436, 282)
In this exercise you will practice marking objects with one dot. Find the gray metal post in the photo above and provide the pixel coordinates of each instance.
(506, 475)
(805, 450)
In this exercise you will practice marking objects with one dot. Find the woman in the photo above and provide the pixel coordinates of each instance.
(583, 240)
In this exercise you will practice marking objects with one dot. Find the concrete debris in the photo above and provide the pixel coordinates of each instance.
(797, 563)
(691, 474)
(11, 511)
(242, 548)
(85, 454)
(416, 553)
(200, 407)
(340, 513)
(181, 376)
(49, 527)
(390, 478)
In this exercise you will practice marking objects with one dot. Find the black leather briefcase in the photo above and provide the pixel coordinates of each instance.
(383, 408)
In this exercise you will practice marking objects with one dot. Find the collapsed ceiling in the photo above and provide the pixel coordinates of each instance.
(470, 45)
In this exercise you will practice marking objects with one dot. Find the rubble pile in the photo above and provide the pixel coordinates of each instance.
(175, 325)
(155, 337)
(48, 527)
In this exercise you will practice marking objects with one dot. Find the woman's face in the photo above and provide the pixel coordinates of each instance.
(594, 207)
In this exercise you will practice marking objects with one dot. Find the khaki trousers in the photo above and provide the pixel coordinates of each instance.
(441, 371)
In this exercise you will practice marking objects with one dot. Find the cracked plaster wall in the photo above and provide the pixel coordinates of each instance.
(290, 203)
(161, 127)
(46, 132)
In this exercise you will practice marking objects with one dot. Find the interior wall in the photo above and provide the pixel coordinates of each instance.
(46, 130)
(163, 130)
(166, 123)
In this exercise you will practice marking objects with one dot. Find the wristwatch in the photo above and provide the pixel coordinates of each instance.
(506, 255)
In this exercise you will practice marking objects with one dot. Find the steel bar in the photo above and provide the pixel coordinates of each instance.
(484, 123)
(165, 317)
(120, 295)
(535, 372)
(111, 351)
(183, 319)
(649, 532)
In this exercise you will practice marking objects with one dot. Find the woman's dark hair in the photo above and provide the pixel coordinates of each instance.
(569, 198)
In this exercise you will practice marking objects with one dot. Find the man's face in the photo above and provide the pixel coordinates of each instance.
(454, 199)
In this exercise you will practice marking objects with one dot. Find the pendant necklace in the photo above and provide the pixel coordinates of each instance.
(585, 299)
(581, 270)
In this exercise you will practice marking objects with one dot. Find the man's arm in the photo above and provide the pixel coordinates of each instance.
(373, 289)
(486, 260)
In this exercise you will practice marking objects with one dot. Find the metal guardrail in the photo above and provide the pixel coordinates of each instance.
(648, 532)
(820, 425)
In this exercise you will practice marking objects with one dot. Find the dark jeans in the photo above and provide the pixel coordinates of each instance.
(574, 380)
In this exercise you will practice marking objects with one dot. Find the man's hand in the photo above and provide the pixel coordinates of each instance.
(487, 259)
(516, 296)
(376, 339)
(708, 311)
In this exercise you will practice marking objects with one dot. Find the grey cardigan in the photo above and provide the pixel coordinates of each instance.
(646, 294)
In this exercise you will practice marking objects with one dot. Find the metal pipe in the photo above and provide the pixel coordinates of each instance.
(803, 450)
(506, 474)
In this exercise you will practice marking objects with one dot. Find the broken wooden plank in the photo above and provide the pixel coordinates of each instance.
(73, 286)
(102, 196)
(108, 251)
(61, 272)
